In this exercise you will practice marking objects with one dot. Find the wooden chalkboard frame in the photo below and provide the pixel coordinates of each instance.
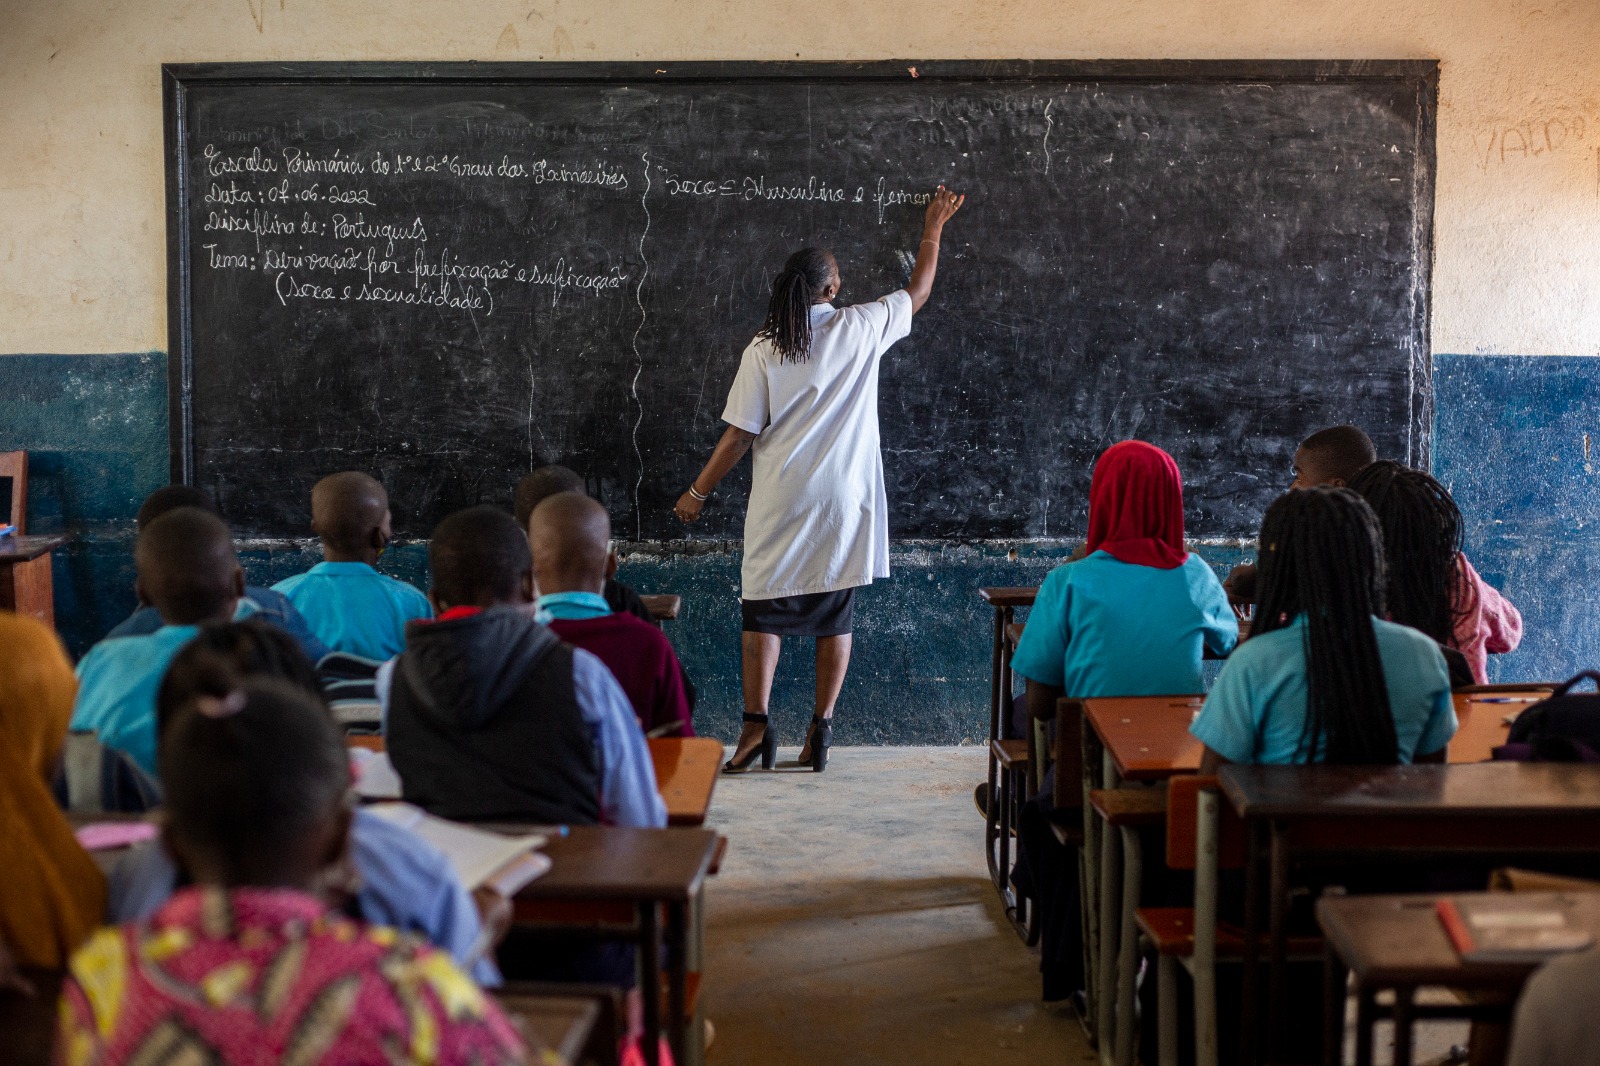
(178, 78)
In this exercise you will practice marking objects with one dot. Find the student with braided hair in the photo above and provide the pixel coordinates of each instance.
(806, 399)
(1432, 586)
(1323, 678)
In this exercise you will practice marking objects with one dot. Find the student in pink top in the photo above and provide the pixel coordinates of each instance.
(250, 965)
(1432, 586)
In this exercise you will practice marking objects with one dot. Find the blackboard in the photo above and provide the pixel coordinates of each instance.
(448, 273)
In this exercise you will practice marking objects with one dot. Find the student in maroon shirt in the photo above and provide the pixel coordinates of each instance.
(571, 539)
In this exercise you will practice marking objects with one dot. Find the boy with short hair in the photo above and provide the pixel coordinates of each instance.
(1331, 456)
(349, 605)
(264, 604)
(250, 964)
(188, 571)
(490, 717)
(570, 535)
(540, 485)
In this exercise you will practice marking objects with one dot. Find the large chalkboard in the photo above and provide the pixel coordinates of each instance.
(447, 273)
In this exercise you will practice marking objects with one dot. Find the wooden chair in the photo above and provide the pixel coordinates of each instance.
(1203, 835)
(1016, 767)
(14, 466)
(1124, 811)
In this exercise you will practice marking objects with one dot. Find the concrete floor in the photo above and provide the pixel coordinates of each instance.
(853, 922)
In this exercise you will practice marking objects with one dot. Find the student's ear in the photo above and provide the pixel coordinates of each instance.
(1337, 482)
(439, 606)
(338, 850)
(138, 591)
(530, 588)
(238, 582)
(611, 564)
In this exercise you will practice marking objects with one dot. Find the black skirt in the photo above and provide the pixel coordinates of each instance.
(816, 614)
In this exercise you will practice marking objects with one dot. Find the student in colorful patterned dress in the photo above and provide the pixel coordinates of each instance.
(250, 965)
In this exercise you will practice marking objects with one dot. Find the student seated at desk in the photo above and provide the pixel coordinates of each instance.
(1432, 587)
(349, 605)
(570, 535)
(396, 878)
(250, 964)
(540, 485)
(1329, 456)
(265, 604)
(1323, 678)
(490, 717)
(52, 895)
(1130, 618)
(188, 570)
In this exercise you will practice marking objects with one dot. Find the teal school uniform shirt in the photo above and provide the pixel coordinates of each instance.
(1257, 709)
(352, 608)
(1103, 627)
(117, 685)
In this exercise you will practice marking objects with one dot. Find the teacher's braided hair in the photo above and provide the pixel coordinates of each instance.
(794, 290)
(1421, 540)
(1321, 555)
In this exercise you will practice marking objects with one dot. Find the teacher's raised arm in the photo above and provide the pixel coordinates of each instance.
(817, 527)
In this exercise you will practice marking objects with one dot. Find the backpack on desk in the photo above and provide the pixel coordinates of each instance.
(1563, 727)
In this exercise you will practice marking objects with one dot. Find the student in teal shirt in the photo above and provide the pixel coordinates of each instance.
(1133, 617)
(349, 606)
(188, 570)
(1323, 679)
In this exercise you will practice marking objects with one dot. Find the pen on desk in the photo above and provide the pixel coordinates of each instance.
(1509, 699)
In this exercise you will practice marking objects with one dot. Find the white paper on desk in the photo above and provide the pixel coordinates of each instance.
(475, 855)
(375, 775)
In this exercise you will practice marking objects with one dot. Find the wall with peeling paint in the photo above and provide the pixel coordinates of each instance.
(1516, 281)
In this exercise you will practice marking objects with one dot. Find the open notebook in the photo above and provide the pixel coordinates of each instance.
(505, 863)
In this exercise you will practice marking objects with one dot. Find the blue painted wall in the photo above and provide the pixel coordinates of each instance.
(1512, 442)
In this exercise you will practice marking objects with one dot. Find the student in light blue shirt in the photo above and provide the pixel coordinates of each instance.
(1323, 679)
(188, 570)
(348, 605)
(1133, 617)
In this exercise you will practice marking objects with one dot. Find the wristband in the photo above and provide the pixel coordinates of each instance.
(926, 241)
(697, 495)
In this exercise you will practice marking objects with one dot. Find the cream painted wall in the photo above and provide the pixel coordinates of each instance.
(82, 234)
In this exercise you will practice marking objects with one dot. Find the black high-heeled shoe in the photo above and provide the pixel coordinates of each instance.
(818, 740)
(767, 749)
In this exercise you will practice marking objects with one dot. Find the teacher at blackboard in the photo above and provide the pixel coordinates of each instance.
(817, 529)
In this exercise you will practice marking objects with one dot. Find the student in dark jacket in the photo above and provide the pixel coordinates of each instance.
(570, 535)
(490, 717)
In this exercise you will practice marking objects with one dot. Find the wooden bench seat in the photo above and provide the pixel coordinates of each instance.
(1133, 807)
(1170, 931)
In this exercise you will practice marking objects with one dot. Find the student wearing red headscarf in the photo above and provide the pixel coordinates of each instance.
(1132, 617)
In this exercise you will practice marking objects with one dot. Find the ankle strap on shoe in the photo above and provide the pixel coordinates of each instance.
(756, 717)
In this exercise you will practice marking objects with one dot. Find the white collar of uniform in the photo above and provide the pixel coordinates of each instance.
(821, 310)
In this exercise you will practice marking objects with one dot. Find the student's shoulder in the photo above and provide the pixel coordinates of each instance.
(1396, 639)
(288, 585)
(405, 591)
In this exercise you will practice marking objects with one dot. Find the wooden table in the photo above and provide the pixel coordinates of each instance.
(569, 1025)
(1398, 943)
(1358, 814)
(663, 608)
(1483, 720)
(649, 870)
(686, 774)
(26, 585)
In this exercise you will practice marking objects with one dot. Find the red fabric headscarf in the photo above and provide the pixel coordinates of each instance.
(1136, 506)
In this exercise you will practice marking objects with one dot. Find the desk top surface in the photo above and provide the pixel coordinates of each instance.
(1482, 721)
(1010, 596)
(686, 775)
(1148, 736)
(1399, 939)
(610, 864)
(663, 607)
(14, 549)
(1464, 789)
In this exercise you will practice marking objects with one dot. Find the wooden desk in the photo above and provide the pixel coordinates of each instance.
(1482, 725)
(26, 586)
(686, 774)
(649, 870)
(565, 1024)
(1146, 738)
(663, 608)
(28, 1024)
(1357, 814)
(1398, 943)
